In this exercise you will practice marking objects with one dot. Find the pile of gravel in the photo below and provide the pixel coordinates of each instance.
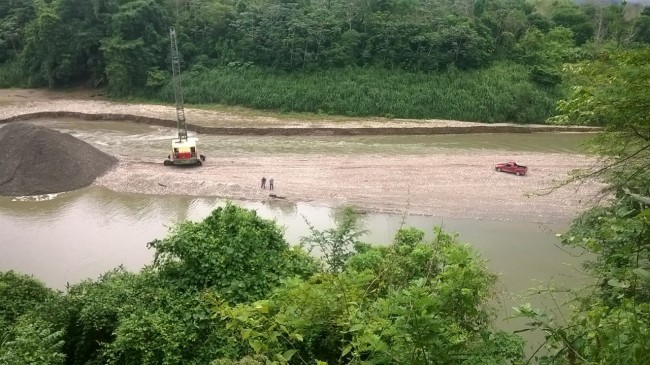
(37, 160)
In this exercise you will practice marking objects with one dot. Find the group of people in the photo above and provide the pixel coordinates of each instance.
(264, 183)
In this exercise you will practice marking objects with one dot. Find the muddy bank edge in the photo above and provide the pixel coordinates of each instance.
(303, 131)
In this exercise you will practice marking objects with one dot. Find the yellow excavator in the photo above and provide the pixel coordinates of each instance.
(184, 150)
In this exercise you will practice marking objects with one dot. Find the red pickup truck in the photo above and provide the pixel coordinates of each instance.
(512, 168)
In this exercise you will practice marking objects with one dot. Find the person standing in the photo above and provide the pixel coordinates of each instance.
(271, 184)
(263, 183)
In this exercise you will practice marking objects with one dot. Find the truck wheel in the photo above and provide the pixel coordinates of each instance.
(168, 162)
(498, 169)
(199, 163)
(517, 173)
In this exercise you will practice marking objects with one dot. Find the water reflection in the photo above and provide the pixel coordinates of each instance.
(84, 233)
(281, 206)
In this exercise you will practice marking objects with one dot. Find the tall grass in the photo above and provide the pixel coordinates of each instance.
(12, 75)
(501, 93)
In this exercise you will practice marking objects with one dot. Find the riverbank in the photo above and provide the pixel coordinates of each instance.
(455, 185)
(26, 104)
(448, 183)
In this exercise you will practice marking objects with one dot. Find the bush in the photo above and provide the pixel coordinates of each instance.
(413, 302)
(545, 76)
(20, 294)
(232, 250)
(33, 341)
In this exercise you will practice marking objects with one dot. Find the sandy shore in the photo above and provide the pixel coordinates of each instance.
(460, 184)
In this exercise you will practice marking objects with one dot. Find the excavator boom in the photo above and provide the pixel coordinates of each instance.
(178, 87)
(184, 150)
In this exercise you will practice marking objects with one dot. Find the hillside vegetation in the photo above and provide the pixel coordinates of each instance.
(470, 60)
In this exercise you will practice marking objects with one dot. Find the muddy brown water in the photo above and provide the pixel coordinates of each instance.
(121, 138)
(72, 236)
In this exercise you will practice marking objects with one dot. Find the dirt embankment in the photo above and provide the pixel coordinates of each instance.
(451, 183)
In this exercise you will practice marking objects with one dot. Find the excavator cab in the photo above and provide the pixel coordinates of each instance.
(184, 153)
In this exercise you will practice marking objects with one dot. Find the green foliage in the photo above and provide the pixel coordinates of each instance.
(11, 75)
(246, 360)
(14, 15)
(610, 323)
(551, 48)
(144, 318)
(44, 39)
(545, 76)
(498, 94)
(93, 312)
(507, 20)
(28, 334)
(612, 93)
(431, 312)
(620, 237)
(136, 45)
(642, 27)
(296, 262)
(611, 320)
(415, 302)
(570, 15)
(411, 59)
(409, 236)
(336, 244)
(232, 250)
(32, 341)
(112, 320)
(21, 294)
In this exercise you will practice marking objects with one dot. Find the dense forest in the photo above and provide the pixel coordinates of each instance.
(484, 60)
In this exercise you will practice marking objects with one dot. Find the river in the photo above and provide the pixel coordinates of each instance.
(69, 237)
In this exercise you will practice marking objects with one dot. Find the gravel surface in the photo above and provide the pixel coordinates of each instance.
(37, 160)
(456, 183)
(459, 185)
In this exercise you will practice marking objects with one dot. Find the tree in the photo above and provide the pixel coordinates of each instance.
(136, 45)
(232, 250)
(27, 335)
(46, 54)
(642, 27)
(33, 341)
(549, 49)
(611, 319)
(573, 17)
(20, 294)
(14, 16)
(413, 302)
(613, 94)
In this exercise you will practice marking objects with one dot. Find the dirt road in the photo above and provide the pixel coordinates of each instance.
(455, 183)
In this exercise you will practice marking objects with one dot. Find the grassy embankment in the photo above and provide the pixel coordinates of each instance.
(501, 93)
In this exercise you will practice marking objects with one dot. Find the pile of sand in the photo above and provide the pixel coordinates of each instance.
(38, 160)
